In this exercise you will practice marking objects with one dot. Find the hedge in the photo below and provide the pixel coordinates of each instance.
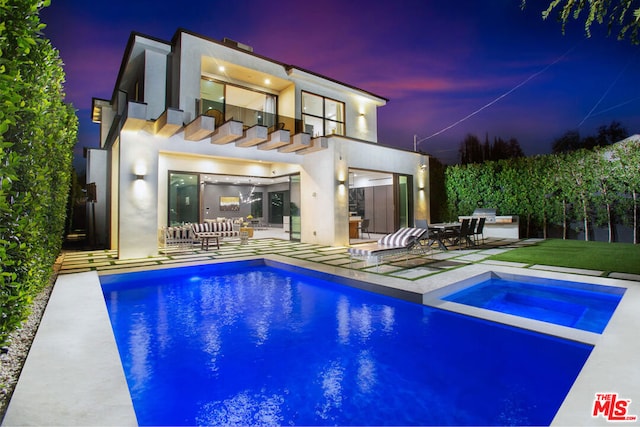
(37, 134)
(583, 189)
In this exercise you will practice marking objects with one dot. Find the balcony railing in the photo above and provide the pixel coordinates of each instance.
(226, 112)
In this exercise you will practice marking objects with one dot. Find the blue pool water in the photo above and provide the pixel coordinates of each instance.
(581, 306)
(248, 344)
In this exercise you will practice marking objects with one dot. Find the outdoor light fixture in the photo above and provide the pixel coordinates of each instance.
(341, 182)
(140, 169)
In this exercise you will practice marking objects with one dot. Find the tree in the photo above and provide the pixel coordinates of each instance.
(568, 142)
(470, 150)
(626, 161)
(605, 196)
(553, 203)
(611, 134)
(606, 135)
(580, 184)
(624, 15)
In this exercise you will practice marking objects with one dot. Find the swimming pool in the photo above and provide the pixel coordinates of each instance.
(249, 344)
(577, 305)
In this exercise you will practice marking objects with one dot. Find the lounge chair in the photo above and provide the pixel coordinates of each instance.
(430, 237)
(400, 242)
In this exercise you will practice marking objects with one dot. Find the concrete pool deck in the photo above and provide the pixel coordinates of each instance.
(73, 374)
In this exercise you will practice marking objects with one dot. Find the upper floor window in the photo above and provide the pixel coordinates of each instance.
(322, 116)
(229, 102)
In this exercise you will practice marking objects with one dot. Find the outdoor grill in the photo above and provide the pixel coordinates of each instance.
(496, 225)
(488, 213)
(490, 216)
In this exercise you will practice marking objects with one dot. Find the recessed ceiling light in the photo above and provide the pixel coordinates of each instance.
(267, 81)
(221, 68)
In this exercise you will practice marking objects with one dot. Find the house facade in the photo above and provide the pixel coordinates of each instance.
(198, 129)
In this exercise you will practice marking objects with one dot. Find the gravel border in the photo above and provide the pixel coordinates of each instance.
(13, 356)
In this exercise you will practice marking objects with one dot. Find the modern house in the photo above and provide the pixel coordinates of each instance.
(198, 129)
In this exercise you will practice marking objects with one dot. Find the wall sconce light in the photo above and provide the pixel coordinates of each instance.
(420, 188)
(341, 182)
(139, 169)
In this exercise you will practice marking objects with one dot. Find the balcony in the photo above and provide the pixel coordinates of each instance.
(253, 128)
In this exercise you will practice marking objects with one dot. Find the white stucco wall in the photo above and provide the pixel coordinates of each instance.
(193, 48)
(317, 195)
(360, 107)
(137, 215)
(155, 83)
(140, 207)
(325, 203)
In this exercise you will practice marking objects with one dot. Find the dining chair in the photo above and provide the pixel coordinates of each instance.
(480, 230)
(462, 233)
(364, 227)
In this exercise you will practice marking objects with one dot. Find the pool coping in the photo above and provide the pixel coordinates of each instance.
(73, 373)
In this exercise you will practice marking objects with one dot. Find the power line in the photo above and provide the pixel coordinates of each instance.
(416, 142)
(606, 110)
(606, 92)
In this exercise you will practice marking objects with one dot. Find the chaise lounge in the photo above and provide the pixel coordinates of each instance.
(400, 242)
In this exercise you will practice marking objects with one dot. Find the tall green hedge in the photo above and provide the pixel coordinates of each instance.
(37, 134)
(585, 188)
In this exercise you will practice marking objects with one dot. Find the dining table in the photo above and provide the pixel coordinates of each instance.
(445, 232)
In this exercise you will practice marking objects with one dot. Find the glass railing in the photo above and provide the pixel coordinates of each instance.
(226, 112)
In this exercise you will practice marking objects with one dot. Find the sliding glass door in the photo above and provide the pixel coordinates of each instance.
(382, 200)
(184, 198)
(294, 207)
(404, 200)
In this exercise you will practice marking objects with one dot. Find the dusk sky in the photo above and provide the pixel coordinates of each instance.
(448, 68)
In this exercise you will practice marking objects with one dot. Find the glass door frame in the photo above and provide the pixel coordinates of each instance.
(403, 200)
(198, 195)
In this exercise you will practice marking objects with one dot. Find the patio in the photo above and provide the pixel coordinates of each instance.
(271, 242)
(90, 389)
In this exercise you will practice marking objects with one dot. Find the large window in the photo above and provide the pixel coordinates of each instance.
(322, 116)
(228, 102)
(256, 204)
(184, 198)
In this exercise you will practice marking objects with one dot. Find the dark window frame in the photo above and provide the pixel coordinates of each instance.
(324, 117)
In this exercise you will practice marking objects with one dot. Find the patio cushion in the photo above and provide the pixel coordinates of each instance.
(221, 229)
(402, 237)
(201, 228)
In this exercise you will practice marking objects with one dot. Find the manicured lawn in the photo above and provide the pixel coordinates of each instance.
(620, 257)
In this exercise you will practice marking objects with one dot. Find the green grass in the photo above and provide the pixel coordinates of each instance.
(619, 257)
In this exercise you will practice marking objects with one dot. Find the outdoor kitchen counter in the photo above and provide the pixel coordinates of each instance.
(500, 226)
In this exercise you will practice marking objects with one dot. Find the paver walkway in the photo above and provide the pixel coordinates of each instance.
(411, 267)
